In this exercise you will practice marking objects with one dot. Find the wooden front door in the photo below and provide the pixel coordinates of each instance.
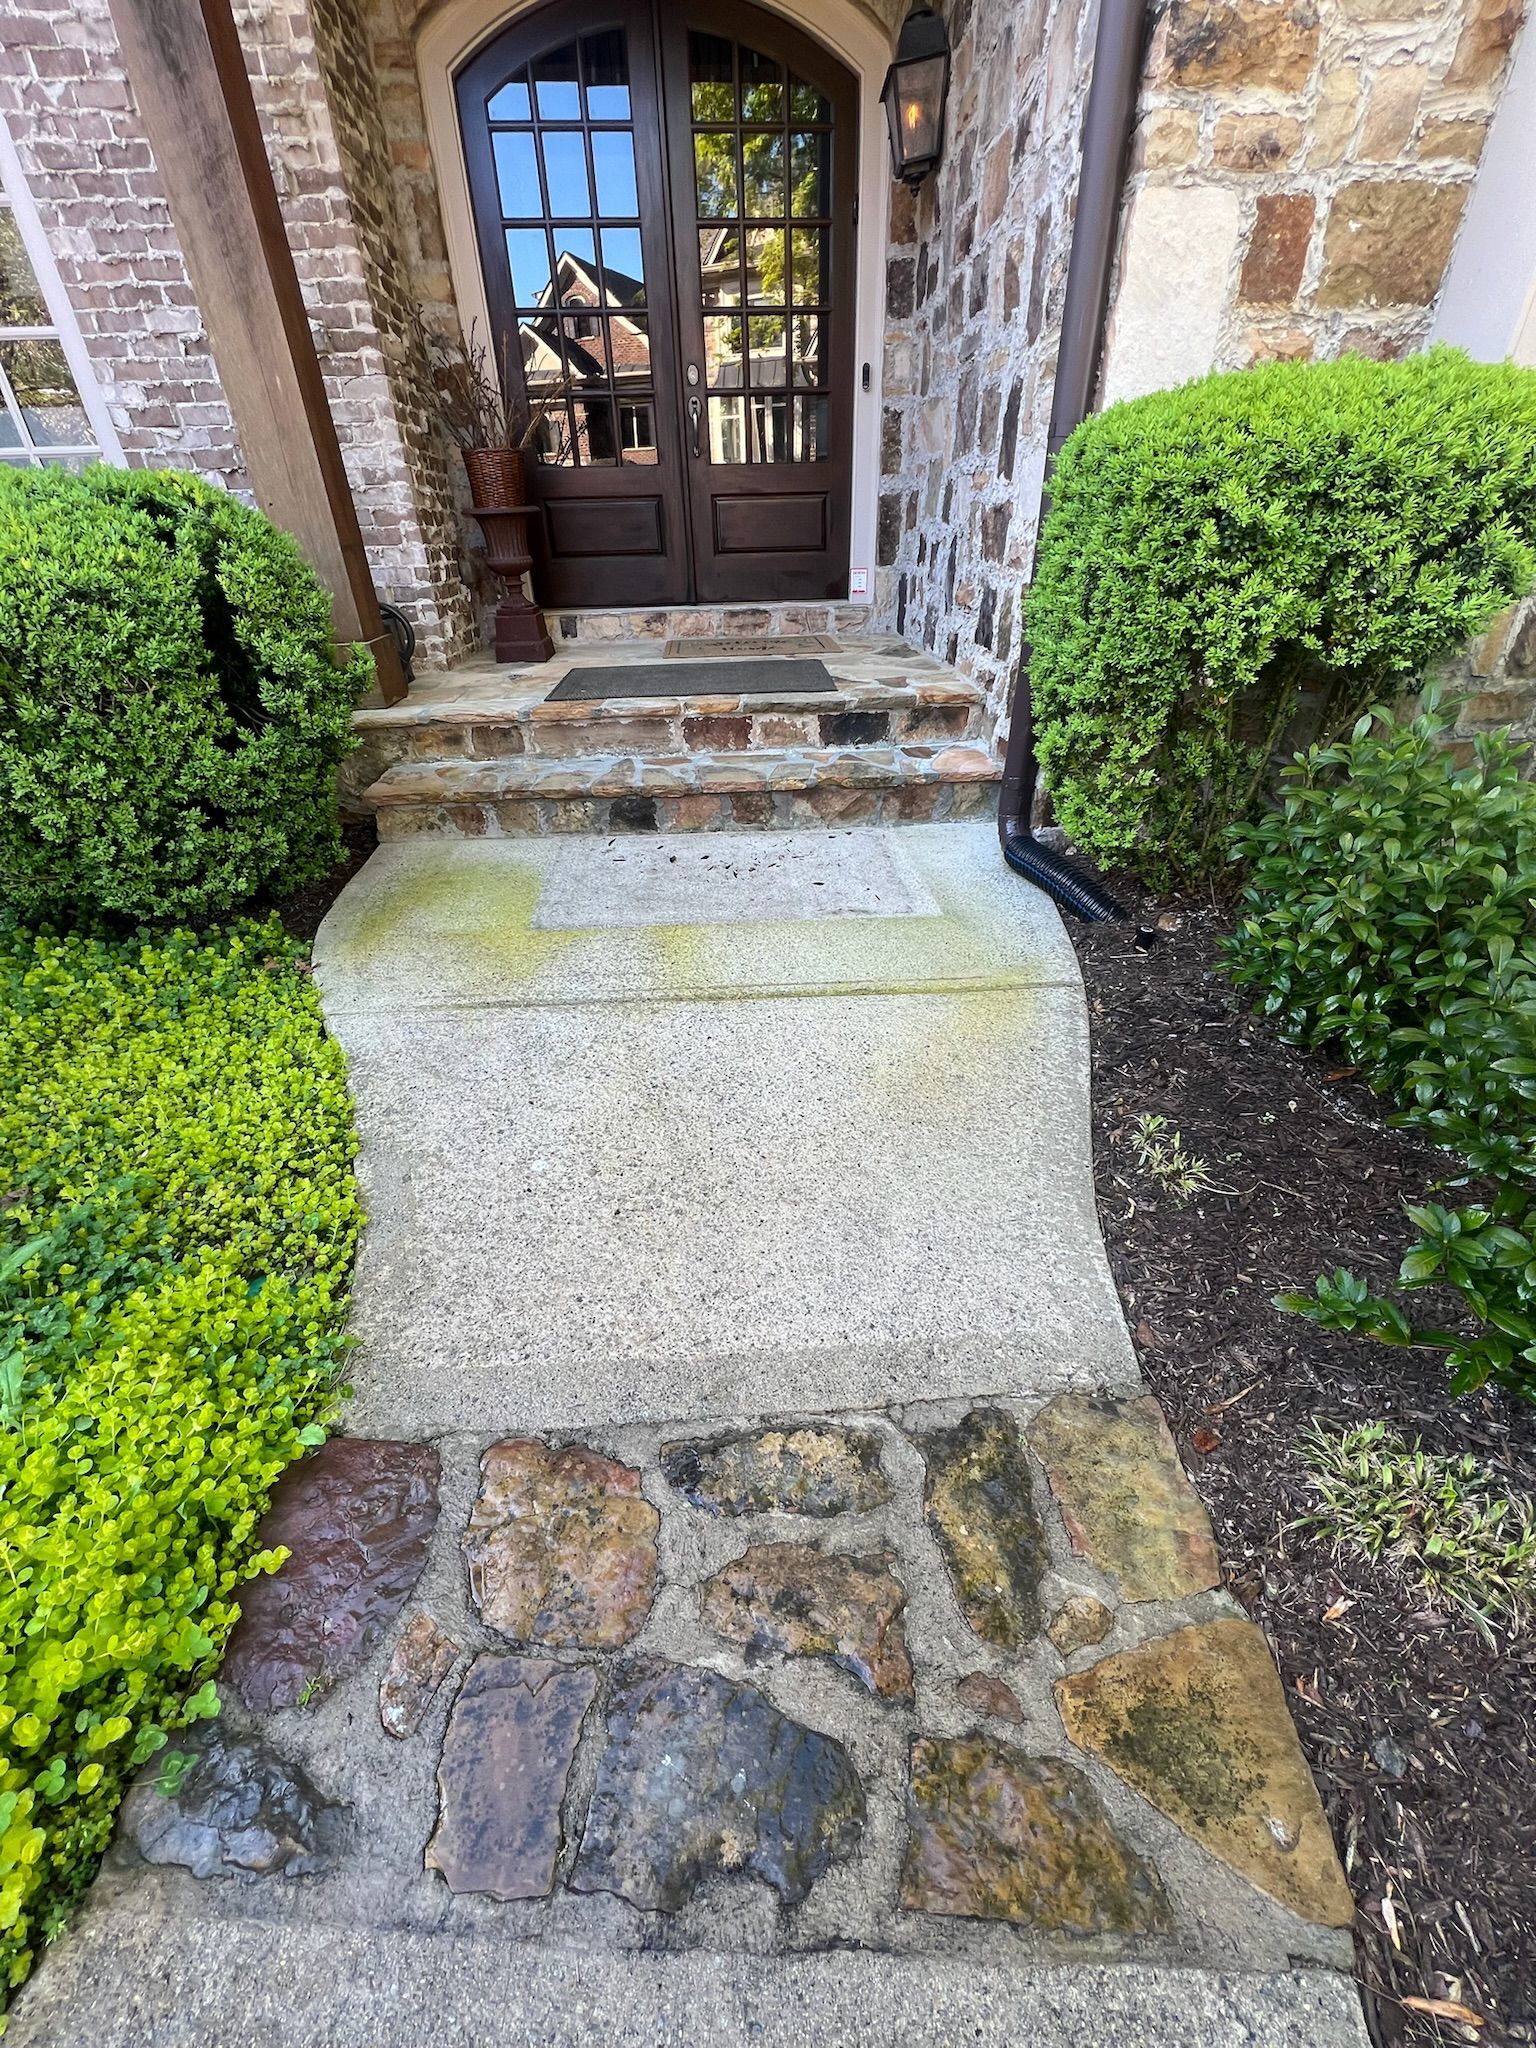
(664, 199)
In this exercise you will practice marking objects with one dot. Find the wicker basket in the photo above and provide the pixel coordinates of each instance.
(496, 475)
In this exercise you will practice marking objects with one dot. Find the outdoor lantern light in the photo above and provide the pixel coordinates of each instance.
(915, 89)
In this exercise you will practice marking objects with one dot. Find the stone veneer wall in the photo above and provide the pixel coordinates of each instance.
(70, 110)
(1301, 168)
(976, 272)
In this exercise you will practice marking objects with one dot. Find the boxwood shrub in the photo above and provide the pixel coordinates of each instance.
(1210, 551)
(1388, 915)
(177, 1223)
(171, 707)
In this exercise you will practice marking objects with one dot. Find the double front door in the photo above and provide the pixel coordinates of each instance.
(664, 200)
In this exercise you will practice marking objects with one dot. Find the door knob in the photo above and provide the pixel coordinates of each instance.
(695, 413)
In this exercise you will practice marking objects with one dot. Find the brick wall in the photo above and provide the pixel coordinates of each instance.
(70, 110)
(67, 104)
(409, 470)
(976, 271)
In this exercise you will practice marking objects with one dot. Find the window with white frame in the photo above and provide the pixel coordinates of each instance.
(50, 408)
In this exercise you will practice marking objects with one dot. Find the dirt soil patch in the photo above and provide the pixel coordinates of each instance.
(302, 912)
(1420, 1734)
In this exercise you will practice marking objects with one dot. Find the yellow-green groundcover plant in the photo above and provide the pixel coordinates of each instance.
(178, 1217)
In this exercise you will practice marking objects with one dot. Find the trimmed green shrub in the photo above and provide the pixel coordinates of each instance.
(171, 707)
(1211, 551)
(178, 1217)
(1389, 914)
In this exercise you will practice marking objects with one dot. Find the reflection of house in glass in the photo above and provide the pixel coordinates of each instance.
(754, 359)
(588, 352)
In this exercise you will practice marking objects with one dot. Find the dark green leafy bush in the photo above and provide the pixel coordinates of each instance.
(1389, 914)
(177, 1222)
(171, 708)
(1211, 551)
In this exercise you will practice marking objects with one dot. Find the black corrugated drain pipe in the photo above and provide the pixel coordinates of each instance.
(1117, 53)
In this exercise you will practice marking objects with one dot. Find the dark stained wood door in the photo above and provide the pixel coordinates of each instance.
(763, 135)
(664, 203)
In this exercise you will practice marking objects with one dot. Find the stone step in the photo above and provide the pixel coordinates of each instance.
(701, 621)
(857, 714)
(714, 790)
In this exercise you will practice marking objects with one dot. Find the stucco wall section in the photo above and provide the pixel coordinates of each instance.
(975, 276)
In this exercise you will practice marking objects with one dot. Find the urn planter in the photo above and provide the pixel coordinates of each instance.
(498, 488)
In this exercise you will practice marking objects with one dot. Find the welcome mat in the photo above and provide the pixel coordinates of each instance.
(698, 679)
(751, 643)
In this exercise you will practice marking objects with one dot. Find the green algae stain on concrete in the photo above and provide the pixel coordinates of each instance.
(483, 910)
(1196, 1722)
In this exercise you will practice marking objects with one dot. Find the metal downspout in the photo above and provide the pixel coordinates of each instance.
(1107, 120)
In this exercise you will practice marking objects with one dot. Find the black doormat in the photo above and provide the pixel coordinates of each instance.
(698, 679)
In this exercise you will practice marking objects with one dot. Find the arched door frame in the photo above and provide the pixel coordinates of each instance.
(460, 27)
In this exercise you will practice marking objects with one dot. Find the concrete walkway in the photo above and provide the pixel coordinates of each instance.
(760, 1168)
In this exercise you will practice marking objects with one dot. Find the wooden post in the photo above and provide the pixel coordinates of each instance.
(188, 74)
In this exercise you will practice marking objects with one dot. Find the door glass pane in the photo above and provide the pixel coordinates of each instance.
(10, 433)
(768, 428)
(712, 77)
(606, 64)
(565, 169)
(765, 339)
(517, 175)
(613, 162)
(765, 266)
(812, 429)
(597, 440)
(809, 174)
(543, 369)
(552, 442)
(555, 87)
(727, 435)
(512, 103)
(762, 87)
(575, 260)
(762, 170)
(714, 170)
(629, 345)
(808, 259)
(720, 266)
(637, 432)
(528, 260)
(723, 368)
(806, 103)
(45, 391)
(806, 342)
(21, 301)
(623, 267)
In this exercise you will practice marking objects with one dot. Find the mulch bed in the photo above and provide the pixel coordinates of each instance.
(1420, 1735)
(302, 911)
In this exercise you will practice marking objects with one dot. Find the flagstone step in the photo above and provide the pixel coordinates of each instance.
(860, 714)
(714, 790)
(701, 621)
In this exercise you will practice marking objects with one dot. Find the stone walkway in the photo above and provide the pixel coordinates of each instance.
(755, 1601)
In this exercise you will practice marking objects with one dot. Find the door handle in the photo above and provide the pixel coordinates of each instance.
(695, 413)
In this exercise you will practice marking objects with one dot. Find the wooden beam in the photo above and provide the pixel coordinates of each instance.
(187, 70)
